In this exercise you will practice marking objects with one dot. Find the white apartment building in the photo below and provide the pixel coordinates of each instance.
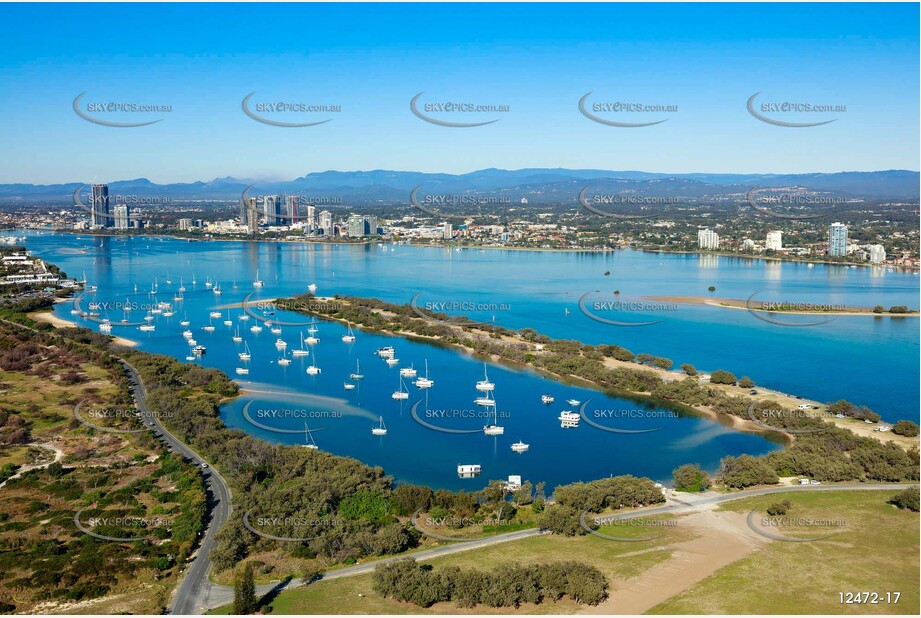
(774, 240)
(708, 239)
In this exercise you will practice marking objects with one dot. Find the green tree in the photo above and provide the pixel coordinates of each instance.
(244, 591)
(746, 471)
(722, 377)
(689, 369)
(746, 382)
(905, 428)
(908, 499)
(691, 478)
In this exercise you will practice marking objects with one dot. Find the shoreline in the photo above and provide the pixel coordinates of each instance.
(48, 317)
(758, 305)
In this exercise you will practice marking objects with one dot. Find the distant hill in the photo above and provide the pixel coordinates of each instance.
(539, 185)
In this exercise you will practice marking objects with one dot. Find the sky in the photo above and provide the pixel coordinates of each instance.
(372, 59)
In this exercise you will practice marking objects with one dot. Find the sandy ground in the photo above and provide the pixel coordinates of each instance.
(58, 456)
(723, 538)
(50, 318)
(734, 303)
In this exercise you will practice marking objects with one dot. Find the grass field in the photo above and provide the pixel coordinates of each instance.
(355, 595)
(877, 552)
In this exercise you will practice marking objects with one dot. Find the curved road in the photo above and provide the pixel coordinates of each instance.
(191, 596)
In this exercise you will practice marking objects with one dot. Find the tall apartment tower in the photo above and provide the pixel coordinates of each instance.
(99, 204)
(837, 240)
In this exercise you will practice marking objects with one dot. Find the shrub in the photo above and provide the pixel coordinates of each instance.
(905, 428)
(908, 499)
(722, 377)
(691, 477)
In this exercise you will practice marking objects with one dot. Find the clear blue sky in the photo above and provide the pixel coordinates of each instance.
(372, 59)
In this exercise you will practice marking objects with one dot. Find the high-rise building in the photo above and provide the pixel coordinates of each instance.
(122, 214)
(185, 224)
(311, 223)
(99, 205)
(877, 254)
(774, 240)
(355, 226)
(837, 240)
(290, 209)
(272, 209)
(708, 239)
(326, 223)
(371, 226)
(447, 231)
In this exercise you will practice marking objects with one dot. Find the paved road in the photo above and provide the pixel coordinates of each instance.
(222, 595)
(191, 597)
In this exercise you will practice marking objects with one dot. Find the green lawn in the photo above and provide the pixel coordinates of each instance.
(878, 552)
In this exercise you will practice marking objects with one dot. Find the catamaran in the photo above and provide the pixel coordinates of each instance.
(313, 370)
(402, 393)
(236, 336)
(484, 384)
(380, 430)
(425, 382)
(350, 336)
(255, 328)
(258, 283)
(357, 375)
(245, 355)
(302, 351)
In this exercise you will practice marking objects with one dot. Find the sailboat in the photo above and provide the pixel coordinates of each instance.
(484, 384)
(258, 283)
(255, 328)
(185, 320)
(281, 344)
(217, 289)
(227, 320)
(357, 375)
(348, 386)
(245, 355)
(312, 288)
(243, 371)
(284, 361)
(181, 287)
(380, 430)
(236, 336)
(313, 370)
(302, 351)
(408, 372)
(243, 317)
(309, 442)
(494, 429)
(520, 447)
(485, 400)
(208, 283)
(401, 393)
(274, 328)
(425, 382)
(210, 327)
(350, 336)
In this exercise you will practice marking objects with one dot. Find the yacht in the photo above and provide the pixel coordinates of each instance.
(199, 349)
(312, 288)
(275, 330)
(236, 336)
(281, 344)
(243, 317)
(168, 313)
(245, 355)
(313, 327)
(485, 385)
(227, 320)
(385, 352)
(573, 402)
(243, 371)
(313, 370)
(494, 429)
(302, 351)
(350, 336)
(192, 343)
(255, 328)
(468, 470)
(209, 328)
(284, 361)
(309, 442)
(105, 327)
(380, 430)
(485, 400)
(357, 375)
(185, 321)
(147, 327)
(568, 419)
(520, 447)
(258, 283)
(425, 382)
(548, 399)
(217, 290)
(402, 393)
(392, 361)
(190, 357)
(187, 334)
(348, 386)
(408, 372)
(181, 287)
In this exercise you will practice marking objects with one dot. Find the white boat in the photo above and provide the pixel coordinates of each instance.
(348, 386)
(357, 375)
(425, 382)
(313, 327)
(208, 283)
(392, 361)
(385, 352)
(302, 351)
(309, 442)
(192, 343)
(258, 283)
(485, 385)
(275, 330)
(312, 288)
(243, 371)
(255, 328)
(243, 317)
(281, 344)
(244, 355)
(199, 350)
(468, 470)
(568, 419)
(185, 321)
(573, 402)
(494, 429)
(284, 361)
(74, 312)
(187, 334)
(190, 358)
(214, 314)
(381, 430)
(105, 327)
(548, 399)
(155, 310)
(485, 400)
(147, 327)
(168, 314)
(181, 287)
(209, 328)
(217, 290)
(520, 447)
(350, 336)
(313, 370)
(149, 318)
(408, 372)
(402, 393)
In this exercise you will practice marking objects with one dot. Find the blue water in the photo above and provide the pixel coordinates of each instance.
(870, 361)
